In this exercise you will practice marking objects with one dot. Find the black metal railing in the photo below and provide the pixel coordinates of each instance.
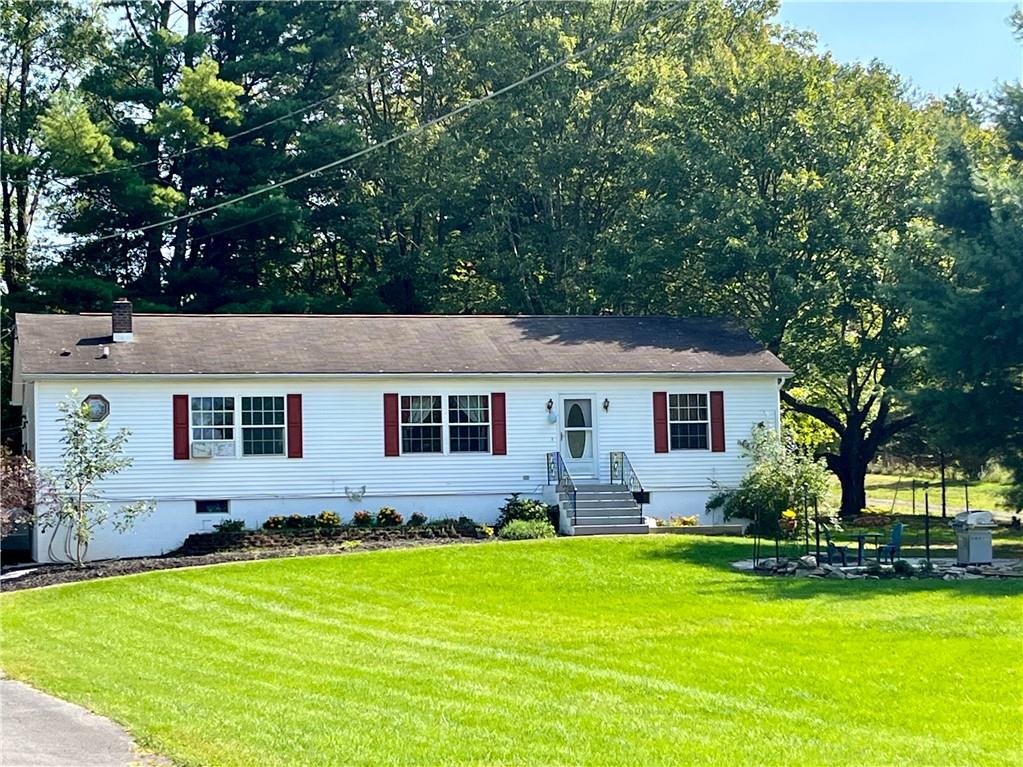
(622, 473)
(557, 475)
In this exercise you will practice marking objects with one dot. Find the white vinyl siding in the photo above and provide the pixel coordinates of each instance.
(343, 443)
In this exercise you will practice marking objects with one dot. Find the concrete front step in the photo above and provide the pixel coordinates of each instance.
(635, 529)
(615, 511)
(617, 519)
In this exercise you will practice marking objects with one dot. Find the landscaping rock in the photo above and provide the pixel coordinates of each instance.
(808, 562)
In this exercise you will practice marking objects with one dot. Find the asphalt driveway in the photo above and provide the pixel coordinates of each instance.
(38, 730)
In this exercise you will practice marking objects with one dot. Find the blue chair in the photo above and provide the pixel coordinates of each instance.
(835, 551)
(891, 549)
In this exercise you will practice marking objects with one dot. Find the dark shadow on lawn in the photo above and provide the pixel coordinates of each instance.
(717, 554)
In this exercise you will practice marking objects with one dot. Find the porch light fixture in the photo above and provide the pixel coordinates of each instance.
(606, 404)
(552, 417)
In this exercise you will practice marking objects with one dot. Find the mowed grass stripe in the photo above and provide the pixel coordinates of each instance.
(600, 651)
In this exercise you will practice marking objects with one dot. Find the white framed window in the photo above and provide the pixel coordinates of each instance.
(262, 425)
(212, 419)
(422, 424)
(688, 422)
(469, 423)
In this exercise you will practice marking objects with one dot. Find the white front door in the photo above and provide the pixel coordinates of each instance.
(578, 437)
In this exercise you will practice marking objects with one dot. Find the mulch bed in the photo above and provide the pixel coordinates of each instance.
(50, 574)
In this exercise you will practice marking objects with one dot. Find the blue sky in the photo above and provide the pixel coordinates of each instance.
(936, 46)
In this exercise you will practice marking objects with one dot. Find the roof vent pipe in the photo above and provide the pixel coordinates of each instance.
(120, 318)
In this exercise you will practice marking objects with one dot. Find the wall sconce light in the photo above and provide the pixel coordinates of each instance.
(607, 404)
(552, 417)
(550, 405)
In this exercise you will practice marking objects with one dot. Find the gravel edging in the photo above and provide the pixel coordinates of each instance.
(42, 575)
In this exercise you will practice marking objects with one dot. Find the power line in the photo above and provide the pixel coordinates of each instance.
(394, 69)
(422, 127)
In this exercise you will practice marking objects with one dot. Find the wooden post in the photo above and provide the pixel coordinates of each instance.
(913, 481)
(966, 489)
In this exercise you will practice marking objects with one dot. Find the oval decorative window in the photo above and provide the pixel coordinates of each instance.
(99, 407)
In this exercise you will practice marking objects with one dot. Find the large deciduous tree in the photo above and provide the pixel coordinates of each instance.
(783, 191)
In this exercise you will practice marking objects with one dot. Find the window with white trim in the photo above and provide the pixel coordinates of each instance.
(469, 423)
(213, 419)
(262, 425)
(422, 424)
(688, 422)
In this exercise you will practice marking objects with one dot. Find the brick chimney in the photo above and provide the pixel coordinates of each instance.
(121, 320)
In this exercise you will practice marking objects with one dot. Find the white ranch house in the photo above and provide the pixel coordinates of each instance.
(247, 416)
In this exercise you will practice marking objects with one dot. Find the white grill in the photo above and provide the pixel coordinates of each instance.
(973, 537)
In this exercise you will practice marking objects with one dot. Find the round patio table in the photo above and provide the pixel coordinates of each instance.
(861, 539)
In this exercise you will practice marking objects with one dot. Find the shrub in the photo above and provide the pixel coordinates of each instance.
(779, 471)
(362, 519)
(523, 509)
(328, 519)
(416, 519)
(487, 530)
(275, 522)
(904, 568)
(678, 521)
(298, 522)
(388, 517)
(523, 529)
(443, 522)
(230, 526)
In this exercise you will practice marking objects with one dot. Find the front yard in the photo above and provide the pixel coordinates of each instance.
(642, 650)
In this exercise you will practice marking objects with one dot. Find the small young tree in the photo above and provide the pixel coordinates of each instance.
(90, 455)
(780, 473)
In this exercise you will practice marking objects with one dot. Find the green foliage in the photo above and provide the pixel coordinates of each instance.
(780, 474)
(903, 569)
(231, 526)
(416, 519)
(275, 522)
(328, 519)
(525, 509)
(388, 517)
(299, 522)
(524, 529)
(362, 518)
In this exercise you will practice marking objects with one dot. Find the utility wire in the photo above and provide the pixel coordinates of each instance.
(421, 128)
(393, 70)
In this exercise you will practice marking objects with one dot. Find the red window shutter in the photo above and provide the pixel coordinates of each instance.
(294, 418)
(180, 427)
(390, 424)
(498, 440)
(717, 422)
(660, 422)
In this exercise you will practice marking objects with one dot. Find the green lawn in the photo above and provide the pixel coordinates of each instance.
(642, 650)
(895, 492)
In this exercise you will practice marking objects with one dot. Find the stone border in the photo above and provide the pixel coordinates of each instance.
(915, 568)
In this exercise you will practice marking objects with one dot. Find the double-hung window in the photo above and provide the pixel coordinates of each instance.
(422, 424)
(469, 423)
(688, 421)
(213, 419)
(262, 425)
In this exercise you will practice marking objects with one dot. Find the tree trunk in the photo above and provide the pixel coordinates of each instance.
(852, 475)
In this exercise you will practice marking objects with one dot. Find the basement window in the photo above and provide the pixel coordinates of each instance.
(211, 507)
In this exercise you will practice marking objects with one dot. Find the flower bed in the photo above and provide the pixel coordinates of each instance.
(207, 543)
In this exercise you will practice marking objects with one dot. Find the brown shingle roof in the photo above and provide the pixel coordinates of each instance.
(267, 344)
